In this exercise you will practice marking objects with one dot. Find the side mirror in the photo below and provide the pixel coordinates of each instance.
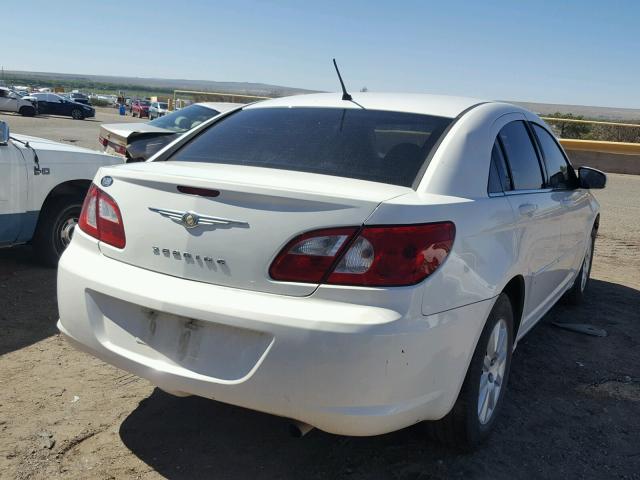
(591, 178)
(4, 133)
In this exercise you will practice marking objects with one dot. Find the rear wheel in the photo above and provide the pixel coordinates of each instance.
(76, 114)
(55, 228)
(576, 295)
(478, 405)
(27, 111)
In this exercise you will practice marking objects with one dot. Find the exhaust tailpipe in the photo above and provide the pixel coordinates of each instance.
(299, 429)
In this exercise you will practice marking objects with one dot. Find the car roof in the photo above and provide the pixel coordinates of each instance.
(437, 105)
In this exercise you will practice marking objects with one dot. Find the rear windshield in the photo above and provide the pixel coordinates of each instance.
(380, 146)
(185, 119)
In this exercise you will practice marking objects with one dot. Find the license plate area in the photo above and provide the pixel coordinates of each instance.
(202, 347)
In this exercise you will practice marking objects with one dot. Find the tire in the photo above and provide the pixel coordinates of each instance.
(76, 114)
(467, 424)
(27, 111)
(575, 296)
(55, 228)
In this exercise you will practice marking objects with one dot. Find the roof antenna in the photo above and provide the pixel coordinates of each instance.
(345, 94)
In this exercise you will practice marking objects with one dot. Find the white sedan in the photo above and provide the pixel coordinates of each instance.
(356, 266)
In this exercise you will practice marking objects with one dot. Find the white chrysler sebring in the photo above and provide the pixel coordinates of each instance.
(354, 265)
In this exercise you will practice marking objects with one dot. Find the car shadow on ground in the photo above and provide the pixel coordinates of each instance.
(28, 306)
(554, 421)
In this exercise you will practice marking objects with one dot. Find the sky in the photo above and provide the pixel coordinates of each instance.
(553, 51)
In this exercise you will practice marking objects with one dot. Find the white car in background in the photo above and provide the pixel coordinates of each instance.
(11, 101)
(158, 109)
(357, 266)
(42, 186)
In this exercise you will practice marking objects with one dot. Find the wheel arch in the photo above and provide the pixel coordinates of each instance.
(515, 290)
(72, 188)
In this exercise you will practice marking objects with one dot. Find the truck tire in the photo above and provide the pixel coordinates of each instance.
(27, 111)
(57, 221)
(480, 400)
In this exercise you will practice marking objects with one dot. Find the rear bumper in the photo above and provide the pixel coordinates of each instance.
(344, 368)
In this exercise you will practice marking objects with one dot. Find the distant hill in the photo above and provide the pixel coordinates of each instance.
(160, 84)
(592, 113)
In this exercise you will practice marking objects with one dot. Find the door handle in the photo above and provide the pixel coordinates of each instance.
(528, 209)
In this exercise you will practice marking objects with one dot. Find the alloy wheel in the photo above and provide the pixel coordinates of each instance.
(493, 369)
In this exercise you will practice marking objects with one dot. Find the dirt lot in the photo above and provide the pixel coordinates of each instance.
(83, 133)
(572, 411)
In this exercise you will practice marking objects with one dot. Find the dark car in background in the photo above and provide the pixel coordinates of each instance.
(139, 141)
(53, 104)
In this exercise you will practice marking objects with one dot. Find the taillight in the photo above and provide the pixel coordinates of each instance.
(120, 149)
(101, 218)
(308, 257)
(377, 256)
(103, 141)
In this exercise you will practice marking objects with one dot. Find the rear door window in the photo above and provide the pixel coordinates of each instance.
(380, 146)
(558, 169)
(499, 178)
(522, 157)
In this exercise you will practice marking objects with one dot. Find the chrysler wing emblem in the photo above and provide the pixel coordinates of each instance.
(193, 219)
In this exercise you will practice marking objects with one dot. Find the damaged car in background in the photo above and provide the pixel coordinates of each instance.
(139, 141)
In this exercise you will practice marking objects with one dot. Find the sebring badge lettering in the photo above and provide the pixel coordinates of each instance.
(186, 256)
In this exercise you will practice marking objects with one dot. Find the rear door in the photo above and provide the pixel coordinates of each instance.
(563, 181)
(539, 215)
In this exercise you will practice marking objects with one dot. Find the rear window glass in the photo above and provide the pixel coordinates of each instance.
(387, 147)
(184, 119)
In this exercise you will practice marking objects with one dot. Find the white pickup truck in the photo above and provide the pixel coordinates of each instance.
(42, 187)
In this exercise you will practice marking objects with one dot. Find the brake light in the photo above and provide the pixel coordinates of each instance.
(103, 141)
(376, 256)
(120, 149)
(101, 218)
(308, 257)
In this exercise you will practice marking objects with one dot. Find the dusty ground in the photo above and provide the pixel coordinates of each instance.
(572, 411)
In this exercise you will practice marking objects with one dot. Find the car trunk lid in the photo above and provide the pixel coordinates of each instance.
(240, 230)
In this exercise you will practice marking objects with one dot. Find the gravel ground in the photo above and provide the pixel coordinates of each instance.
(572, 410)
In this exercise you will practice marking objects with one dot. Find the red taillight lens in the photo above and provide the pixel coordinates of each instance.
(378, 256)
(394, 256)
(103, 141)
(308, 257)
(101, 218)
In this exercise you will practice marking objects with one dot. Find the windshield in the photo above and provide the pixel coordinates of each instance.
(162, 105)
(380, 146)
(185, 119)
(144, 103)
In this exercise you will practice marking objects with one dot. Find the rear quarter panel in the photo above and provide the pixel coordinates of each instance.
(483, 253)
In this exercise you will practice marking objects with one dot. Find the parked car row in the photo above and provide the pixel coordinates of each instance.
(45, 103)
